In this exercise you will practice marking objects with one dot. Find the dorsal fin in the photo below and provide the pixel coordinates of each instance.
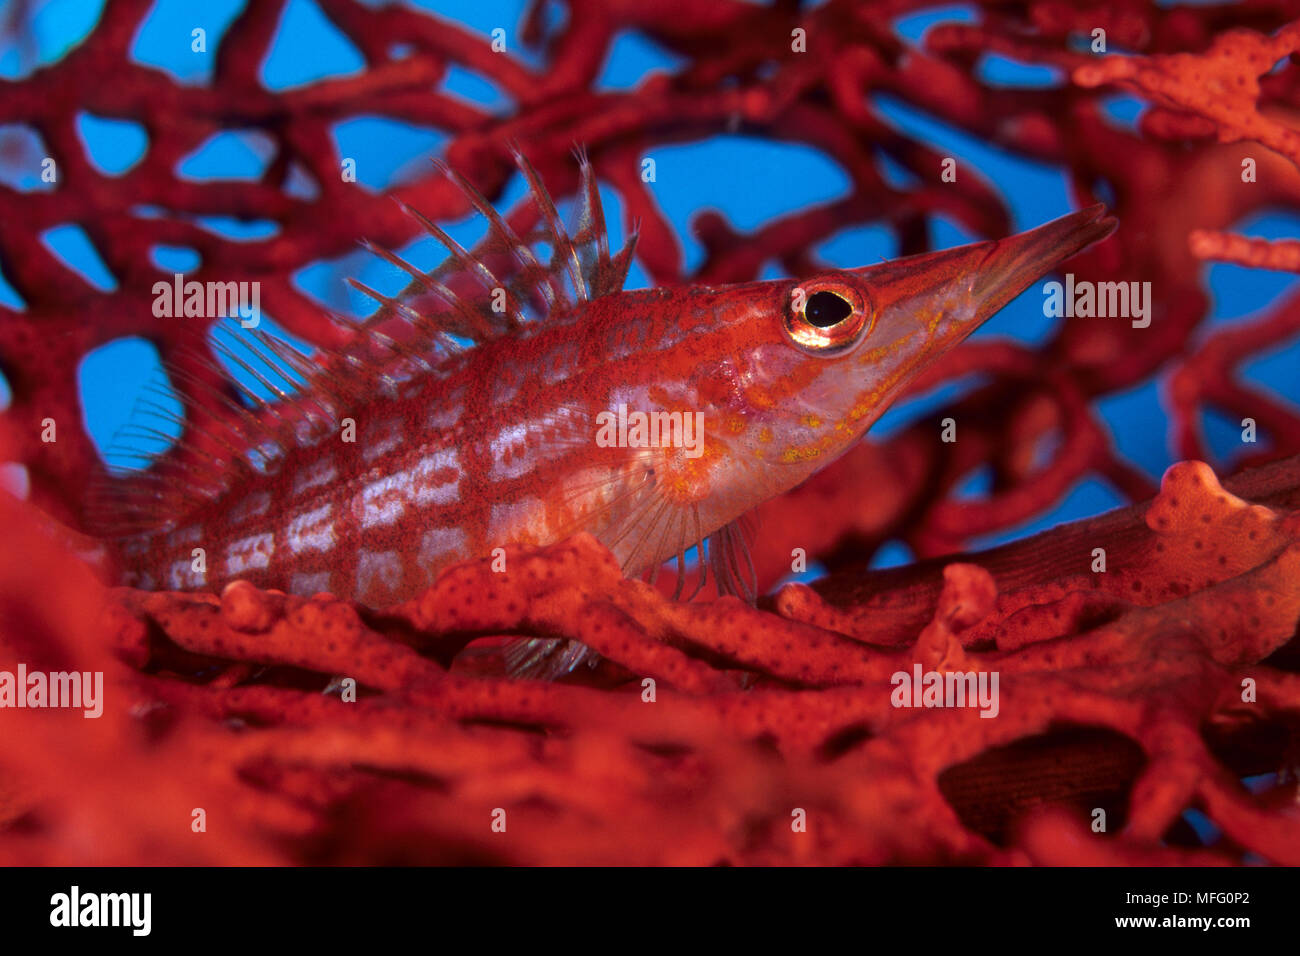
(507, 280)
(229, 432)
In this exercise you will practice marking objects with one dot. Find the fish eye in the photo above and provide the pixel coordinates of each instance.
(828, 315)
(824, 309)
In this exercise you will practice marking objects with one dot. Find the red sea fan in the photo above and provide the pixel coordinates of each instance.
(1141, 687)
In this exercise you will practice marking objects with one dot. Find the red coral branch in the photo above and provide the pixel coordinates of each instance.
(1220, 85)
(1283, 255)
(754, 714)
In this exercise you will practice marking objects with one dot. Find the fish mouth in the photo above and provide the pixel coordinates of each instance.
(1011, 265)
(953, 292)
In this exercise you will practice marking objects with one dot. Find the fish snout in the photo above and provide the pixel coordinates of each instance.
(949, 294)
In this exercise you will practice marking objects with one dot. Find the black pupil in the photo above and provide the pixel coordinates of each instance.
(825, 309)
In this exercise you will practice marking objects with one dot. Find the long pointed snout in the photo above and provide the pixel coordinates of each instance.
(1010, 265)
(954, 291)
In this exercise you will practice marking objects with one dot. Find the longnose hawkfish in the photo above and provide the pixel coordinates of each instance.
(517, 394)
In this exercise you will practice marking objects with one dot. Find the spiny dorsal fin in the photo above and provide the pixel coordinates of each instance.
(231, 433)
(507, 280)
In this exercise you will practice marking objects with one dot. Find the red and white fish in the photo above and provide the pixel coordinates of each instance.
(517, 394)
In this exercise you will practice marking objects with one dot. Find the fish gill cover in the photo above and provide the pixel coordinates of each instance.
(1134, 682)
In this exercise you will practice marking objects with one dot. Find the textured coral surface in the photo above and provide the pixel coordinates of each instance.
(1128, 690)
(1119, 691)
